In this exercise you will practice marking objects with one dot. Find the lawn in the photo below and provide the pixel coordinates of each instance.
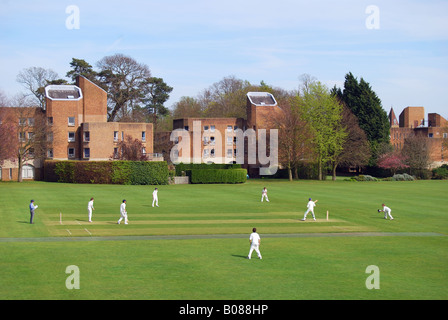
(194, 245)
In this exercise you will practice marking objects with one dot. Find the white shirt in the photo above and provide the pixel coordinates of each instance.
(123, 208)
(90, 205)
(311, 204)
(386, 209)
(154, 194)
(265, 191)
(254, 238)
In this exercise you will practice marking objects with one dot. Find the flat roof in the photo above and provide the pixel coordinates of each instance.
(63, 92)
(262, 98)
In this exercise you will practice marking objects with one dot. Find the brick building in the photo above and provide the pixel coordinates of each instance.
(216, 139)
(412, 121)
(77, 121)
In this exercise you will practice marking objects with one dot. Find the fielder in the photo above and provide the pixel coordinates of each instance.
(155, 198)
(32, 208)
(254, 241)
(264, 194)
(90, 208)
(124, 213)
(311, 204)
(386, 211)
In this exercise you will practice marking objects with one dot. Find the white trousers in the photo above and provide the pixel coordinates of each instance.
(90, 214)
(156, 201)
(254, 246)
(124, 216)
(309, 210)
(264, 196)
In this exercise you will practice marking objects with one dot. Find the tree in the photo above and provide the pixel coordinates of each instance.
(131, 149)
(416, 152)
(126, 80)
(156, 94)
(31, 134)
(356, 149)
(82, 68)
(366, 106)
(188, 107)
(322, 111)
(8, 134)
(294, 136)
(34, 79)
(392, 161)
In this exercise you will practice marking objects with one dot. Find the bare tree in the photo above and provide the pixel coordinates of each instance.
(130, 149)
(34, 79)
(416, 152)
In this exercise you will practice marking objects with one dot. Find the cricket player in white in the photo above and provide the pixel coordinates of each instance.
(124, 213)
(264, 194)
(254, 241)
(155, 198)
(311, 204)
(387, 212)
(90, 208)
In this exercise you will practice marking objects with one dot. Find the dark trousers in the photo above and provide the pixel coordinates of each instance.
(32, 216)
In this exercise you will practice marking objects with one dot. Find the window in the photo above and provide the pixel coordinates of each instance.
(30, 135)
(212, 153)
(430, 135)
(235, 128)
(50, 121)
(86, 152)
(143, 136)
(50, 136)
(212, 141)
(28, 172)
(229, 128)
(212, 128)
(31, 122)
(229, 141)
(21, 136)
(205, 128)
(206, 140)
(186, 128)
(144, 151)
(71, 121)
(206, 152)
(115, 153)
(71, 137)
(445, 135)
(22, 121)
(86, 136)
(115, 135)
(229, 153)
(50, 153)
(71, 152)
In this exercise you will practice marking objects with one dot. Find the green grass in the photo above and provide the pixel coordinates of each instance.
(410, 251)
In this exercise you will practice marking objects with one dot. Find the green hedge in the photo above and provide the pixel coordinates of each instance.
(107, 172)
(218, 175)
(193, 166)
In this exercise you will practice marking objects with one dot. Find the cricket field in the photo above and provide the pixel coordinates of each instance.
(194, 246)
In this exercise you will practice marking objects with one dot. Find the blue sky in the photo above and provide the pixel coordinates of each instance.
(192, 44)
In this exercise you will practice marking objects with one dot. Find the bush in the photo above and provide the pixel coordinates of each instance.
(402, 177)
(107, 172)
(364, 177)
(218, 175)
(206, 166)
(441, 172)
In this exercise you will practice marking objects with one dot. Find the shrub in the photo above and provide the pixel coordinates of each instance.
(440, 172)
(218, 175)
(403, 177)
(104, 172)
(364, 177)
